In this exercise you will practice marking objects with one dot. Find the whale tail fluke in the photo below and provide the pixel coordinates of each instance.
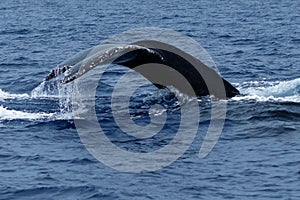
(203, 79)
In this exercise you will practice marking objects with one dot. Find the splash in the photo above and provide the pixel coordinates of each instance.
(49, 90)
(52, 89)
(283, 91)
(10, 114)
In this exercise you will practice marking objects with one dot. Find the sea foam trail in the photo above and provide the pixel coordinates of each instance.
(11, 114)
(6, 95)
(284, 91)
(7, 114)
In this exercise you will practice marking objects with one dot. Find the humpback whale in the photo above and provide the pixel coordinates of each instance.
(153, 54)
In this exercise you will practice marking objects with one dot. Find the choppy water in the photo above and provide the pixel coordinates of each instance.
(255, 46)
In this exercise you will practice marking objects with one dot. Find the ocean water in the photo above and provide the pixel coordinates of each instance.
(255, 45)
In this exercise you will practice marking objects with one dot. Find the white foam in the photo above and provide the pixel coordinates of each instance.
(284, 91)
(7, 114)
(295, 99)
(42, 91)
(6, 95)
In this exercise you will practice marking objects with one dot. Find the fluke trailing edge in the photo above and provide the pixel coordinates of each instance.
(162, 64)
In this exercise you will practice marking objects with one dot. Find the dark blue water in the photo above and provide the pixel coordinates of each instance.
(255, 45)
